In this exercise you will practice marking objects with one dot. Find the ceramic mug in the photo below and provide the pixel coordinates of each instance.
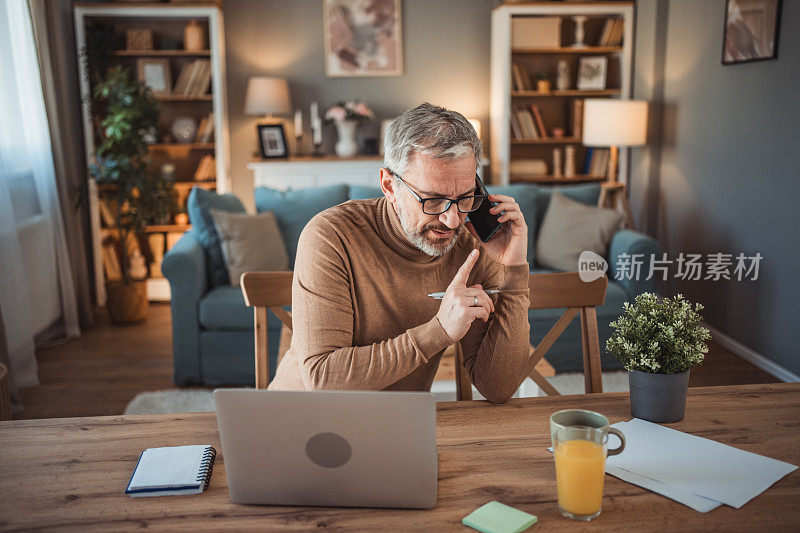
(588, 419)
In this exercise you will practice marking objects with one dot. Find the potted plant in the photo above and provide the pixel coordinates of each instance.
(124, 111)
(346, 116)
(543, 81)
(658, 340)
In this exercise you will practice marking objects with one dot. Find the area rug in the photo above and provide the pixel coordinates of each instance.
(201, 400)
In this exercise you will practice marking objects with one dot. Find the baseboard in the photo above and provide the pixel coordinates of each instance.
(748, 354)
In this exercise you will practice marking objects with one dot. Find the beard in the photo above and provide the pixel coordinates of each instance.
(434, 248)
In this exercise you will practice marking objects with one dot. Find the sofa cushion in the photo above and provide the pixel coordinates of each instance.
(294, 208)
(199, 206)
(250, 243)
(569, 228)
(359, 192)
(525, 196)
(587, 194)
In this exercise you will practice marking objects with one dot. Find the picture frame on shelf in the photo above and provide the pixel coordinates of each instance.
(751, 31)
(155, 73)
(272, 141)
(376, 49)
(592, 71)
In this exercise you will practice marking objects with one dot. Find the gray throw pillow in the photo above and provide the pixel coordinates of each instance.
(569, 228)
(250, 243)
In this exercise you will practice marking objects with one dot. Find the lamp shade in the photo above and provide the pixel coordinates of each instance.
(266, 96)
(608, 122)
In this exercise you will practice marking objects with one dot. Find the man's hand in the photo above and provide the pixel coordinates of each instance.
(461, 304)
(509, 246)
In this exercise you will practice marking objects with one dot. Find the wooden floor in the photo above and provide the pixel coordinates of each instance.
(102, 371)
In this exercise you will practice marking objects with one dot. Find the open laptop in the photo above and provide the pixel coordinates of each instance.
(329, 448)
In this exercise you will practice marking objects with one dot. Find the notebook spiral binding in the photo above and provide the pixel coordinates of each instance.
(208, 465)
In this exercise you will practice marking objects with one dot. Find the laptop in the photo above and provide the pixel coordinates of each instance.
(329, 448)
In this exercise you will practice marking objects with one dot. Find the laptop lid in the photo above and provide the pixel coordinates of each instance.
(329, 448)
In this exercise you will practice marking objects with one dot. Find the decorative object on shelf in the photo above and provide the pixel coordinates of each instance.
(125, 109)
(138, 268)
(557, 172)
(592, 73)
(579, 31)
(182, 219)
(184, 129)
(316, 128)
(273, 141)
(363, 38)
(751, 31)
(527, 168)
(298, 129)
(346, 116)
(138, 39)
(535, 32)
(543, 82)
(155, 74)
(569, 161)
(557, 132)
(658, 341)
(168, 172)
(267, 96)
(613, 123)
(194, 37)
(562, 76)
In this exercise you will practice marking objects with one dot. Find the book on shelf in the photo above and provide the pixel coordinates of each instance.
(206, 169)
(577, 118)
(194, 79)
(107, 210)
(537, 114)
(522, 80)
(206, 129)
(516, 129)
(111, 264)
(612, 32)
(597, 161)
(527, 124)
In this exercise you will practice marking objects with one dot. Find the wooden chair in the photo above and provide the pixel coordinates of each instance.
(555, 291)
(262, 291)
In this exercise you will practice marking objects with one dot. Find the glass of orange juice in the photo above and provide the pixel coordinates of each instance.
(580, 446)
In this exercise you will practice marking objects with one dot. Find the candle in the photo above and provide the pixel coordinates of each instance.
(298, 123)
(317, 131)
(314, 112)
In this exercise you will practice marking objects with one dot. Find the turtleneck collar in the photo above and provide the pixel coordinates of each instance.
(391, 231)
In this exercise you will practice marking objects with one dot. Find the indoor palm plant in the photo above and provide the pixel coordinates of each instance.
(658, 340)
(124, 110)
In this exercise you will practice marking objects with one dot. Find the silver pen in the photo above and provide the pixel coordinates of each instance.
(440, 295)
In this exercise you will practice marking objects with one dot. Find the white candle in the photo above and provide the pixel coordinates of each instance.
(317, 131)
(314, 112)
(298, 123)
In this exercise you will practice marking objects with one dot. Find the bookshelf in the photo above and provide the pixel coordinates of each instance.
(201, 98)
(538, 37)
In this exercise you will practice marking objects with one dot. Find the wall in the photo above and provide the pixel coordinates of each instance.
(722, 172)
(445, 56)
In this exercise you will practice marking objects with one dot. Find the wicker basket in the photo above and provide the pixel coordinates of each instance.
(127, 304)
(5, 394)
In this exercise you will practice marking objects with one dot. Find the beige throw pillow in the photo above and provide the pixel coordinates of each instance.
(569, 228)
(250, 243)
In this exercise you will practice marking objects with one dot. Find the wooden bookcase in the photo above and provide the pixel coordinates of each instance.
(167, 23)
(556, 107)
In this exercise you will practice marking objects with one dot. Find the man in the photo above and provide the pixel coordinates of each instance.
(362, 316)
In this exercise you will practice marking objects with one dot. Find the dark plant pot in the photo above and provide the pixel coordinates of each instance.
(658, 397)
(127, 303)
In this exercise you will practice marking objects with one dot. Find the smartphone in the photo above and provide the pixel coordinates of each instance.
(484, 222)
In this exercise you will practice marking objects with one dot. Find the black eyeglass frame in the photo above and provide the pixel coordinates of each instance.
(450, 201)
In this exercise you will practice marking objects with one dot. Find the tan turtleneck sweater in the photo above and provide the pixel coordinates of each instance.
(362, 318)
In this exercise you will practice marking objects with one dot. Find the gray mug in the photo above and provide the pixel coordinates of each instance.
(583, 418)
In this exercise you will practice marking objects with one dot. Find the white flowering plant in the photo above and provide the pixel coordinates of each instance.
(358, 111)
(659, 335)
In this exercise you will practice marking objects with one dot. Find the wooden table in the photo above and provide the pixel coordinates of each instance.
(70, 473)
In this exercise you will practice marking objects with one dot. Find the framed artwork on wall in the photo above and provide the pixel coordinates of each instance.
(154, 73)
(272, 141)
(751, 31)
(363, 38)
(592, 73)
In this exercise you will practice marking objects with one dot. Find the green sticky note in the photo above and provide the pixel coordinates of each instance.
(494, 517)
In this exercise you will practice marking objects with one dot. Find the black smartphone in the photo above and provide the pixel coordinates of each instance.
(484, 222)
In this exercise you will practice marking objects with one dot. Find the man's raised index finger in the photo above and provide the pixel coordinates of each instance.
(463, 272)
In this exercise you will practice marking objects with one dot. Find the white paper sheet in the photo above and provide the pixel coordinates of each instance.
(692, 465)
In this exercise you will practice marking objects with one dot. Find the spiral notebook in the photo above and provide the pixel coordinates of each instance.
(172, 470)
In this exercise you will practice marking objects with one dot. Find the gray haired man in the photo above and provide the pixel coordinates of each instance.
(361, 315)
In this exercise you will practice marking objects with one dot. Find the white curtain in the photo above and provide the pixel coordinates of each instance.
(36, 287)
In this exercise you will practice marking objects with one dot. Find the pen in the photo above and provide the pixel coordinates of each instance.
(440, 295)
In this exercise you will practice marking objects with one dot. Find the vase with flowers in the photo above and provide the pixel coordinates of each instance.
(347, 116)
(658, 340)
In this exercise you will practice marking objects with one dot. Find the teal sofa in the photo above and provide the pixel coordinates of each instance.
(213, 330)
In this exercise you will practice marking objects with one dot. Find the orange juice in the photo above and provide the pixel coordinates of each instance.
(580, 467)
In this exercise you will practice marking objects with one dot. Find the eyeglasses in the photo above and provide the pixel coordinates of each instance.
(438, 205)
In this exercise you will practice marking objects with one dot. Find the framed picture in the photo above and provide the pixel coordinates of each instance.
(154, 73)
(751, 31)
(363, 38)
(272, 140)
(592, 73)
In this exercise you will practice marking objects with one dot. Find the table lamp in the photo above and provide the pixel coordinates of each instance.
(613, 123)
(267, 96)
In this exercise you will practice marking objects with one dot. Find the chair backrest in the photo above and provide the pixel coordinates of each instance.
(556, 291)
(262, 291)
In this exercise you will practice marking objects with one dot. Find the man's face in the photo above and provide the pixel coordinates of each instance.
(429, 177)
